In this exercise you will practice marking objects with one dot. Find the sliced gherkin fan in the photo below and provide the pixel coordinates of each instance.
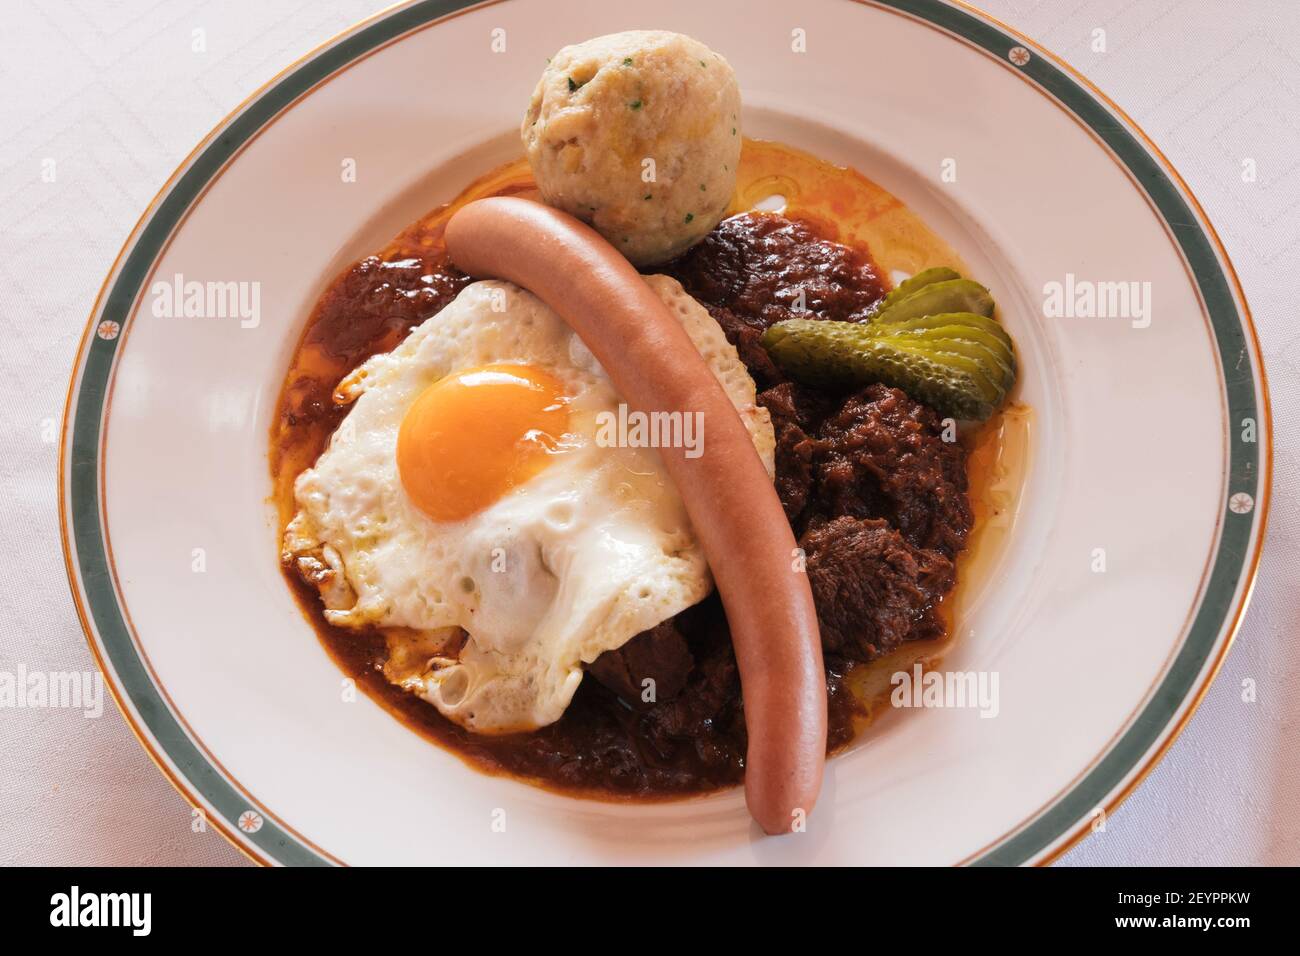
(934, 336)
(957, 367)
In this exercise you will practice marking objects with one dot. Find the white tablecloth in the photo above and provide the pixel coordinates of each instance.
(115, 96)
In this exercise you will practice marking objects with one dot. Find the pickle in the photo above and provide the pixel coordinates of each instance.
(993, 365)
(908, 286)
(956, 365)
(969, 319)
(980, 377)
(961, 328)
(950, 295)
(934, 336)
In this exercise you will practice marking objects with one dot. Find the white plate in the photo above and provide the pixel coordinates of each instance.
(1142, 445)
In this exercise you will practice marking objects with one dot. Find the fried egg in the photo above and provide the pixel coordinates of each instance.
(472, 506)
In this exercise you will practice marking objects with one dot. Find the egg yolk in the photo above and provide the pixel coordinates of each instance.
(471, 437)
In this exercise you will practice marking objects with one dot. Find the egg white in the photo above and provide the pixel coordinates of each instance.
(574, 562)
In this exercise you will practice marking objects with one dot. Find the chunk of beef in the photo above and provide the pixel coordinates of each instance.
(757, 269)
(796, 411)
(659, 654)
(793, 404)
(749, 346)
(708, 716)
(372, 306)
(872, 589)
(794, 452)
(882, 455)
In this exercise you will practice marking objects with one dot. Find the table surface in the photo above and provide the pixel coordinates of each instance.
(116, 96)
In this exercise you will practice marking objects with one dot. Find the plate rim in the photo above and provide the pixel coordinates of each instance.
(275, 842)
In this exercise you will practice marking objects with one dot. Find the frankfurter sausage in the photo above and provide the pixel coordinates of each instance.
(732, 503)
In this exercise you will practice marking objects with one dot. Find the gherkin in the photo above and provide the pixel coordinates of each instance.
(908, 286)
(971, 320)
(934, 337)
(950, 295)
